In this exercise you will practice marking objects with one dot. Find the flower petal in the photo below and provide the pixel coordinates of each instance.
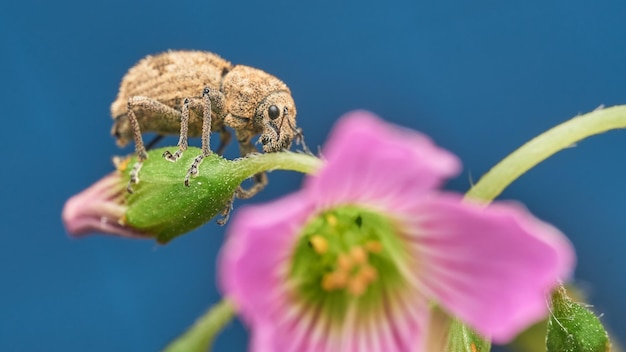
(251, 263)
(99, 208)
(371, 160)
(492, 266)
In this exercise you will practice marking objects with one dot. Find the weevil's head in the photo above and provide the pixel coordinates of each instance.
(121, 130)
(276, 117)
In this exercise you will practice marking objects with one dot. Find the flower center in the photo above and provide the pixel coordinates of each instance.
(344, 255)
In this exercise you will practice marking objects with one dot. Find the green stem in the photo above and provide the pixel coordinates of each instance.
(545, 145)
(300, 162)
(201, 335)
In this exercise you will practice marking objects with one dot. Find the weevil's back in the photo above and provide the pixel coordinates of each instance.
(170, 77)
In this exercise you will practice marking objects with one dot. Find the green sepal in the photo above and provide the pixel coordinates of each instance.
(572, 327)
(463, 339)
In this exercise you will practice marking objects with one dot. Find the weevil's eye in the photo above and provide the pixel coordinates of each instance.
(273, 112)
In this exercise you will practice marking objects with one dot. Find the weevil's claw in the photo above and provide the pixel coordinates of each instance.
(299, 139)
(224, 218)
(193, 169)
(134, 176)
(305, 149)
(167, 155)
(259, 182)
(226, 212)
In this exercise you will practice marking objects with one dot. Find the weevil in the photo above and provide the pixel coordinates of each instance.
(193, 93)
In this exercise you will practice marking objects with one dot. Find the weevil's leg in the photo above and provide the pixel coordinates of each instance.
(226, 212)
(206, 135)
(139, 147)
(184, 131)
(260, 179)
(153, 107)
(225, 137)
(206, 122)
(218, 107)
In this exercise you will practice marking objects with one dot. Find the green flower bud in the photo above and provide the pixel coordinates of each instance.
(161, 206)
(573, 327)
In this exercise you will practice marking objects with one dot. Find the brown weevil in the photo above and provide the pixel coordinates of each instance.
(193, 93)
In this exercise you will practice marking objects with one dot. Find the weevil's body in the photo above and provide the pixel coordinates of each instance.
(167, 78)
(170, 77)
(194, 93)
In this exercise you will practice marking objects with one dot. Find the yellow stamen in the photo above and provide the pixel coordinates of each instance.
(341, 278)
(358, 254)
(328, 282)
(332, 220)
(357, 286)
(344, 262)
(368, 273)
(319, 244)
(334, 280)
(374, 246)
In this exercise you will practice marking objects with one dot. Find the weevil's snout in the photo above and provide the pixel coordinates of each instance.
(121, 131)
(277, 116)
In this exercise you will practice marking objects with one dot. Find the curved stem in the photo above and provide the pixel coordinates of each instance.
(532, 153)
(543, 146)
(299, 162)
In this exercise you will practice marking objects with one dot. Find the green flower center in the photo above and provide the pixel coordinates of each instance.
(347, 255)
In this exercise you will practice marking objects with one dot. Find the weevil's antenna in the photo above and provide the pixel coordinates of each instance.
(299, 137)
(154, 141)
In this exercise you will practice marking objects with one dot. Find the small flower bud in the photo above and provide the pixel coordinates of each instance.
(161, 206)
(573, 327)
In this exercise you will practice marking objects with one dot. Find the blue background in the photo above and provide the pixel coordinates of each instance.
(480, 77)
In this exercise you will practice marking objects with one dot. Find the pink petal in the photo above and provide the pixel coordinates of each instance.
(492, 267)
(99, 208)
(370, 160)
(259, 244)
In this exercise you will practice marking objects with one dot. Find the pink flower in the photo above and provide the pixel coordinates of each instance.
(100, 208)
(353, 260)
